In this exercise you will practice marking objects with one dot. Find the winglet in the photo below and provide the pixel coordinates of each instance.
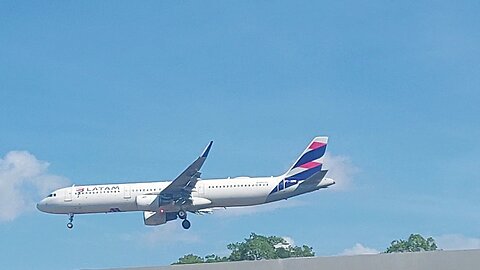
(207, 150)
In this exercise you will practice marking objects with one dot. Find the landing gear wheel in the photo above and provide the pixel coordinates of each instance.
(182, 214)
(186, 224)
(70, 219)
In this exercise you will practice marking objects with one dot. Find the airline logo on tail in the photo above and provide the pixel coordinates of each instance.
(309, 163)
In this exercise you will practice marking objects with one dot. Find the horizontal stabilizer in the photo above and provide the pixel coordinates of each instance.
(317, 177)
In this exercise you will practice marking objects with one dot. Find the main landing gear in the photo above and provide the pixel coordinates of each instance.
(185, 223)
(70, 223)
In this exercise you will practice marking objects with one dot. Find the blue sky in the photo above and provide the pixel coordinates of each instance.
(118, 91)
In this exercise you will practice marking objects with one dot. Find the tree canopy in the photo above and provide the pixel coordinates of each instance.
(259, 247)
(190, 259)
(415, 243)
(256, 247)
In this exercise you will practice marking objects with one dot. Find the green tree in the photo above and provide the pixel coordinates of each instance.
(190, 259)
(303, 251)
(212, 258)
(255, 247)
(259, 247)
(415, 243)
(283, 252)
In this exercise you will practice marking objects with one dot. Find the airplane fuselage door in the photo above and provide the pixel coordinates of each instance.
(68, 194)
(127, 192)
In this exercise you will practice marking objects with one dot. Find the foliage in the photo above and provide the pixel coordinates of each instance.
(256, 247)
(303, 251)
(212, 258)
(415, 243)
(259, 247)
(189, 259)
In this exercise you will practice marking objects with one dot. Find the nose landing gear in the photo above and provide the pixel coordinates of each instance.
(70, 223)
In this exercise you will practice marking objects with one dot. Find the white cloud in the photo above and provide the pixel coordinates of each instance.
(341, 169)
(359, 249)
(23, 179)
(257, 209)
(457, 242)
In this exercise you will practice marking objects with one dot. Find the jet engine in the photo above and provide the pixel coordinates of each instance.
(147, 202)
(151, 218)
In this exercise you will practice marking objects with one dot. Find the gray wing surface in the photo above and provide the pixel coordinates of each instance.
(181, 187)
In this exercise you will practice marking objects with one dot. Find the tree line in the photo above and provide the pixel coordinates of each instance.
(259, 247)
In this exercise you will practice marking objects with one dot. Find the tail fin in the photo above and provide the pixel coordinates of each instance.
(310, 162)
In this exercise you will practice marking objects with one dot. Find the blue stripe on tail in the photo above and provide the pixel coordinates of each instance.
(305, 174)
(311, 156)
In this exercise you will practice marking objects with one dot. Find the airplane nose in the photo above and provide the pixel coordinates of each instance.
(41, 206)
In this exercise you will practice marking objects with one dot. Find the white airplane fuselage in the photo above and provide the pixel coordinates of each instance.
(231, 192)
(166, 201)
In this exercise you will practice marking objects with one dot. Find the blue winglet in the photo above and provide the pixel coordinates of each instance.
(207, 150)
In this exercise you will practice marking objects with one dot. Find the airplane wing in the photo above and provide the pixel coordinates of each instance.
(180, 189)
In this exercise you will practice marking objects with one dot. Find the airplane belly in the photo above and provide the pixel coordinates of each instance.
(237, 199)
(229, 202)
(100, 205)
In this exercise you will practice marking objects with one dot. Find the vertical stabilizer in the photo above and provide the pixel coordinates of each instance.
(310, 161)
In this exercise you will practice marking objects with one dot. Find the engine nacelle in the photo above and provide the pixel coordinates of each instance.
(151, 218)
(147, 202)
(154, 218)
(199, 201)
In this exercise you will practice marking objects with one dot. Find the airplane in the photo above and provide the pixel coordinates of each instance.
(165, 201)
